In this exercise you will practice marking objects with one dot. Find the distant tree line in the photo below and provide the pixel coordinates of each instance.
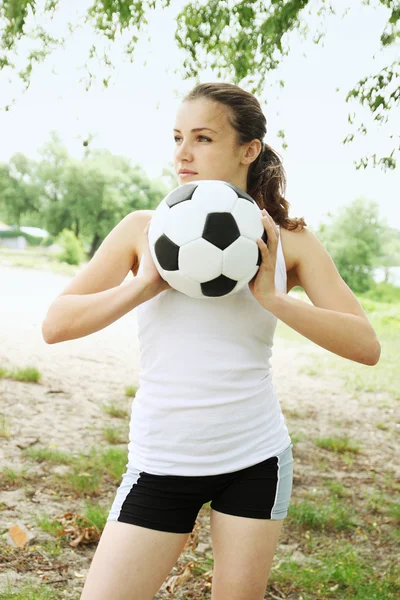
(359, 241)
(79, 201)
(87, 196)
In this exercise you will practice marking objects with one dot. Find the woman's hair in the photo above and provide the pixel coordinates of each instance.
(266, 179)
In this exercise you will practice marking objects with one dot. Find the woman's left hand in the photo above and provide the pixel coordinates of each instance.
(262, 286)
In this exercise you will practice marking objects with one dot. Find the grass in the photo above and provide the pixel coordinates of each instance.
(4, 427)
(341, 573)
(88, 472)
(297, 437)
(115, 436)
(92, 513)
(26, 374)
(115, 411)
(10, 477)
(36, 258)
(338, 558)
(130, 391)
(383, 377)
(31, 592)
(337, 444)
(331, 515)
(51, 456)
(49, 525)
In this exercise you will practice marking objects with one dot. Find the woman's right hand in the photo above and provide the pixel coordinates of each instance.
(150, 272)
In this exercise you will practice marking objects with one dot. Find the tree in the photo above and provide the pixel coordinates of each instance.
(88, 197)
(390, 252)
(72, 250)
(355, 240)
(18, 194)
(242, 40)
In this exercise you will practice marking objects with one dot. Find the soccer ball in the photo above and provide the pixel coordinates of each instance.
(203, 238)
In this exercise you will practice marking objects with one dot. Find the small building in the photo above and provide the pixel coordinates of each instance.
(10, 237)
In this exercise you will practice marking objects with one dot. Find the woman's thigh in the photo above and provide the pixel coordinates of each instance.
(243, 550)
(131, 562)
(261, 491)
(245, 522)
(147, 528)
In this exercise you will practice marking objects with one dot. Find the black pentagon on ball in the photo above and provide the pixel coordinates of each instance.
(167, 253)
(181, 194)
(220, 229)
(220, 286)
(264, 238)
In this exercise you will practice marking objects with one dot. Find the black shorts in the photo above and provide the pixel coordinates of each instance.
(172, 502)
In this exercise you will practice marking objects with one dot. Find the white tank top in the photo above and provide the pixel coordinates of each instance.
(206, 403)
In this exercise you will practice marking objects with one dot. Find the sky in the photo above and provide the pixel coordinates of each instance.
(135, 115)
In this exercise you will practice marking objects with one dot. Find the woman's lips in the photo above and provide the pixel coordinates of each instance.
(183, 174)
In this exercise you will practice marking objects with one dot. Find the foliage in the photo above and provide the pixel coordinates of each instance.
(241, 40)
(17, 195)
(88, 196)
(354, 239)
(73, 252)
(383, 292)
(390, 252)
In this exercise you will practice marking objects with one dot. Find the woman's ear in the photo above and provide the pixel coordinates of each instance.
(252, 151)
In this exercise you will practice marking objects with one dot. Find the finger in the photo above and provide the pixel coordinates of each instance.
(265, 256)
(272, 232)
(270, 220)
(263, 248)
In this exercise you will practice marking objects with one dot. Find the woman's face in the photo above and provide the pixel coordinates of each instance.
(212, 151)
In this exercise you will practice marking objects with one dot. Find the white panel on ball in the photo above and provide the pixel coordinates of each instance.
(157, 221)
(200, 260)
(237, 257)
(241, 284)
(185, 222)
(253, 272)
(214, 197)
(183, 284)
(248, 218)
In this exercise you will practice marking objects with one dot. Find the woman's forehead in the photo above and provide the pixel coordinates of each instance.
(201, 113)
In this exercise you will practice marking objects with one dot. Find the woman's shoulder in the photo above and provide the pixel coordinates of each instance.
(290, 244)
(298, 246)
(141, 217)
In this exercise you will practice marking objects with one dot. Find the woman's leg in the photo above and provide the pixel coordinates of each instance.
(131, 562)
(243, 551)
(246, 520)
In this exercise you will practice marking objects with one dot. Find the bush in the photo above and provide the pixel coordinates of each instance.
(73, 252)
(355, 240)
(383, 292)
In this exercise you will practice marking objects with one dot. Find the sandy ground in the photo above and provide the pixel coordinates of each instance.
(64, 411)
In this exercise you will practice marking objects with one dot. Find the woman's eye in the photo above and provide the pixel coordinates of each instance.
(203, 137)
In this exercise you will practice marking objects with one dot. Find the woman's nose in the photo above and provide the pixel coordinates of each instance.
(183, 151)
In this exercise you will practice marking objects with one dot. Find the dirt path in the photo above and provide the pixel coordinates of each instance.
(64, 411)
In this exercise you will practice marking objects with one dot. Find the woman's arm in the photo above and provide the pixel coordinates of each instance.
(336, 320)
(74, 316)
(95, 297)
(345, 334)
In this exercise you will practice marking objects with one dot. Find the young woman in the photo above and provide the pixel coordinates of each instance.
(206, 423)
